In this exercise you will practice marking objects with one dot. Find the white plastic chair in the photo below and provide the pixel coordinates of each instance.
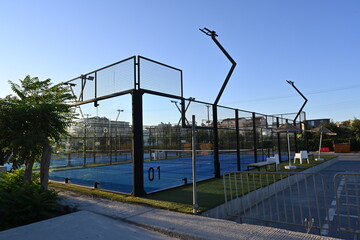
(275, 159)
(301, 155)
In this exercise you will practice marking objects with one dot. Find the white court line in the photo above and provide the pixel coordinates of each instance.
(350, 216)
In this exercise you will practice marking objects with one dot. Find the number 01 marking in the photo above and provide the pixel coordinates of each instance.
(151, 173)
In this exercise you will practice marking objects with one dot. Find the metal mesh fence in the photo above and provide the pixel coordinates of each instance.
(228, 139)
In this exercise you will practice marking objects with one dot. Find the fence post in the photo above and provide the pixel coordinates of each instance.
(237, 129)
(216, 143)
(255, 138)
(296, 142)
(195, 203)
(278, 139)
(137, 144)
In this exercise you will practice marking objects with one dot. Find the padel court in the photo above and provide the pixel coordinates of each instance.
(134, 132)
(162, 172)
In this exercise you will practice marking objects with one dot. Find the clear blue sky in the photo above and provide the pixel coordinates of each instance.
(314, 43)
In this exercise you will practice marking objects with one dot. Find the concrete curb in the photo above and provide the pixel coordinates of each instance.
(226, 210)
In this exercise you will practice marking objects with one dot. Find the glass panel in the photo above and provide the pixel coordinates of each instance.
(203, 113)
(117, 78)
(159, 77)
(98, 148)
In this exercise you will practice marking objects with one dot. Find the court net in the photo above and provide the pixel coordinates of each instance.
(161, 154)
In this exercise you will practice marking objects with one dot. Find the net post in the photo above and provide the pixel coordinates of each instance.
(195, 204)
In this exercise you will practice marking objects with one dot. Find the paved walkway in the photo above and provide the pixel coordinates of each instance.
(105, 219)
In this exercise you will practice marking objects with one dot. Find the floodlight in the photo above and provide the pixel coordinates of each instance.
(208, 32)
(119, 110)
(302, 95)
(290, 82)
(69, 84)
(85, 77)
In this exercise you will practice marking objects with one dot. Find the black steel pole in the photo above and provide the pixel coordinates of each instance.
(84, 144)
(137, 144)
(297, 115)
(278, 139)
(216, 143)
(296, 142)
(215, 118)
(237, 129)
(213, 37)
(302, 107)
(254, 137)
(305, 134)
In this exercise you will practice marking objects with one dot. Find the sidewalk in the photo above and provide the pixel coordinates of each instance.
(105, 219)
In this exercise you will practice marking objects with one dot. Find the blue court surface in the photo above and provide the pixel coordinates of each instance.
(158, 174)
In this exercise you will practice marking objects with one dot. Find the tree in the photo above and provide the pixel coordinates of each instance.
(32, 120)
(355, 128)
(16, 133)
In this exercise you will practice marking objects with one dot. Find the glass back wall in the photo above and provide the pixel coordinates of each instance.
(98, 148)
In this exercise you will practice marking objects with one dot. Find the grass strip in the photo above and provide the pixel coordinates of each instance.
(97, 193)
(210, 193)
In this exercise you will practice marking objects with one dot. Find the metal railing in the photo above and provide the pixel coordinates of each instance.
(347, 194)
(286, 198)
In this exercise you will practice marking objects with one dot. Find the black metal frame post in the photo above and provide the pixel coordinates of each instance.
(84, 144)
(213, 36)
(216, 143)
(305, 133)
(255, 138)
(288, 143)
(295, 137)
(237, 129)
(278, 139)
(137, 144)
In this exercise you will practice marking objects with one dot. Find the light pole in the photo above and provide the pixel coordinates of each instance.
(208, 115)
(116, 132)
(85, 136)
(305, 101)
(213, 36)
(208, 120)
(177, 106)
